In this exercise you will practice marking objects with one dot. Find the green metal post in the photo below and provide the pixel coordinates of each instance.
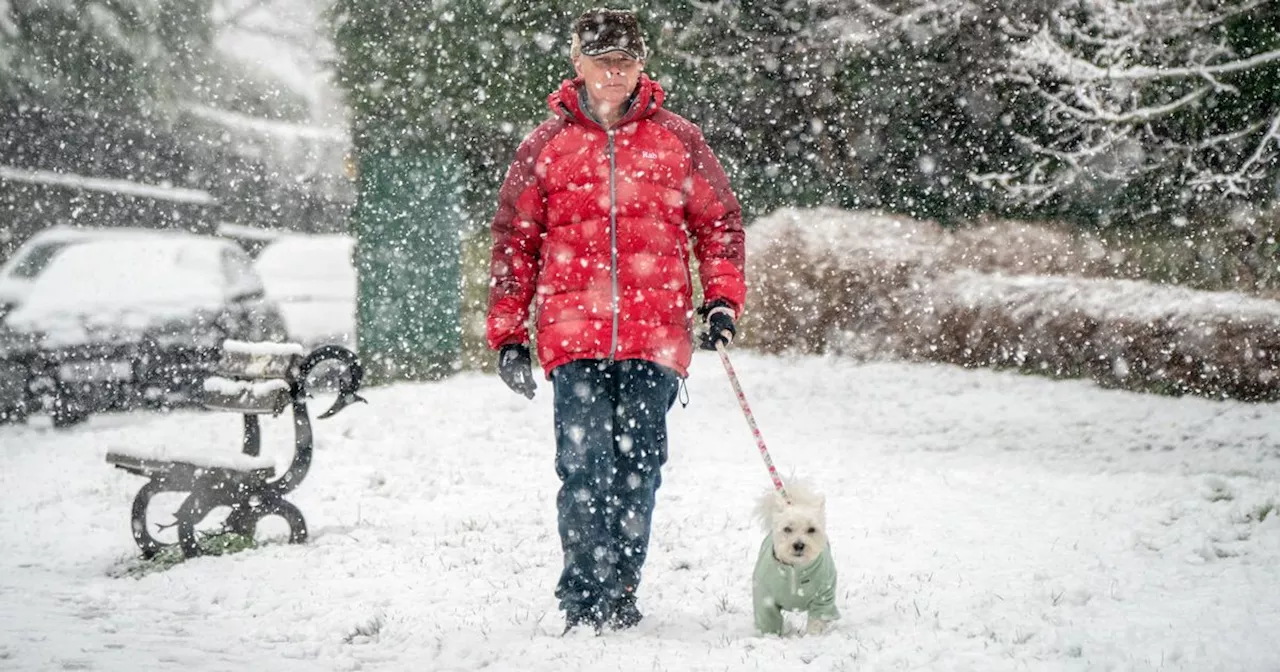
(408, 263)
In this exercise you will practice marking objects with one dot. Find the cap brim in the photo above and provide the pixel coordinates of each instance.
(608, 50)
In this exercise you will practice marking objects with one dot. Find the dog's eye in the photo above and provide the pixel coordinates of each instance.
(813, 530)
(786, 530)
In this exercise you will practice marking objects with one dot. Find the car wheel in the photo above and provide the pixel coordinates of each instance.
(15, 415)
(68, 414)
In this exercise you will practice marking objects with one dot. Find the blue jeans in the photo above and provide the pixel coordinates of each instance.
(611, 443)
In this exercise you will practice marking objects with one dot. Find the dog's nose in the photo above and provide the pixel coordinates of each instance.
(799, 546)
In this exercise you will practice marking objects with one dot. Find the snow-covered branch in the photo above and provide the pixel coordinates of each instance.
(1097, 111)
(1119, 98)
(863, 22)
(1237, 182)
(1084, 71)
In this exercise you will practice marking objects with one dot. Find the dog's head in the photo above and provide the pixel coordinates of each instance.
(799, 527)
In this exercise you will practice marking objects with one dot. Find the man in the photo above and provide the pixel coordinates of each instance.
(593, 228)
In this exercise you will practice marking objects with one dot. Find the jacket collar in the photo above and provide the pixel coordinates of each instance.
(566, 102)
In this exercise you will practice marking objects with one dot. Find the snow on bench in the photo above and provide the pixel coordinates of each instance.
(246, 396)
(258, 360)
(153, 459)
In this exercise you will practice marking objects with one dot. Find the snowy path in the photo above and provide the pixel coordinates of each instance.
(980, 521)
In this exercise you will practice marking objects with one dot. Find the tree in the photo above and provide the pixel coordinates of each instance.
(127, 56)
(1145, 108)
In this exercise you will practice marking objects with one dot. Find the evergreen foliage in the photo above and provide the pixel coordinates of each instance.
(925, 107)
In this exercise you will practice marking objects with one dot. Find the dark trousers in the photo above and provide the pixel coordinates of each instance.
(611, 443)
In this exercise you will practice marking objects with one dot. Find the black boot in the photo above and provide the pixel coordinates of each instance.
(591, 617)
(625, 613)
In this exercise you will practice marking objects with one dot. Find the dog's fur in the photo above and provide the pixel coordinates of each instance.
(799, 540)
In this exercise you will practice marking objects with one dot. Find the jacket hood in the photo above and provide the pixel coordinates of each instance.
(565, 101)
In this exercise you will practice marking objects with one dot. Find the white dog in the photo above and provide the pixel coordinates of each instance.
(794, 571)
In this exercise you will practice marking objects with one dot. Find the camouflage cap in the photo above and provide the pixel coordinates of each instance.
(601, 31)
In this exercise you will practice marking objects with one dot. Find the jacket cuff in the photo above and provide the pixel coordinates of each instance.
(718, 306)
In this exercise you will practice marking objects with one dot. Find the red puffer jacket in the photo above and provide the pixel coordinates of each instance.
(593, 229)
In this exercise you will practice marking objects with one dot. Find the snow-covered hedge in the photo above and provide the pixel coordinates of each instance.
(1122, 333)
(825, 281)
(1005, 295)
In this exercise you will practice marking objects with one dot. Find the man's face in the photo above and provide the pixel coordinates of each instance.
(609, 78)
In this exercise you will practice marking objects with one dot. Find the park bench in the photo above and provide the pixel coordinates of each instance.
(252, 379)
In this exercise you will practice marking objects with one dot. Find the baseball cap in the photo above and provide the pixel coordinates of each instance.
(601, 31)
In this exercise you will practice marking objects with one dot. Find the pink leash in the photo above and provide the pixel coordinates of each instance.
(751, 422)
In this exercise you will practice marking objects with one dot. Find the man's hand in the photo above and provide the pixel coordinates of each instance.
(719, 318)
(516, 369)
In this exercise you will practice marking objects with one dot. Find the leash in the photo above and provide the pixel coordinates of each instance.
(751, 422)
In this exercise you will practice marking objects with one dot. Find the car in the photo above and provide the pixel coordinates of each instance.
(15, 374)
(138, 322)
(21, 269)
(312, 278)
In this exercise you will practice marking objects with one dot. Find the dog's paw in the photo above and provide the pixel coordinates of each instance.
(815, 626)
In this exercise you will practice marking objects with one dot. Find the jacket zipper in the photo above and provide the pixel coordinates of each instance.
(613, 245)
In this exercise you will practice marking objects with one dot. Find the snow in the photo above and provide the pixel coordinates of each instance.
(262, 348)
(1114, 300)
(196, 457)
(980, 521)
(267, 126)
(15, 284)
(7, 26)
(287, 45)
(108, 185)
(129, 284)
(286, 42)
(313, 281)
(229, 387)
(241, 231)
(851, 238)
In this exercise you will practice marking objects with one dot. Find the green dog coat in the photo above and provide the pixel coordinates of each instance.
(777, 586)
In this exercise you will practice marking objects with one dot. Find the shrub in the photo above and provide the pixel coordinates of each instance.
(1121, 333)
(1001, 294)
(823, 281)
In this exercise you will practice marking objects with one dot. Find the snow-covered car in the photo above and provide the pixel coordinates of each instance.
(15, 374)
(20, 270)
(313, 280)
(119, 324)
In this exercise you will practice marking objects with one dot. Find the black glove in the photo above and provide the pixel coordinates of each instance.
(719, 318)
(516, 369)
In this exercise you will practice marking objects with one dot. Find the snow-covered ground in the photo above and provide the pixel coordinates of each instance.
(980, 521)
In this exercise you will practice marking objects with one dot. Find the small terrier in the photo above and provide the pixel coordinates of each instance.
(795, 571)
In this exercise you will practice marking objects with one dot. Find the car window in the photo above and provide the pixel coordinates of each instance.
(37, 259)
(242, 279)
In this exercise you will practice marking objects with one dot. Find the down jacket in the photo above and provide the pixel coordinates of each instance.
(778, 587)
(593, 231)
